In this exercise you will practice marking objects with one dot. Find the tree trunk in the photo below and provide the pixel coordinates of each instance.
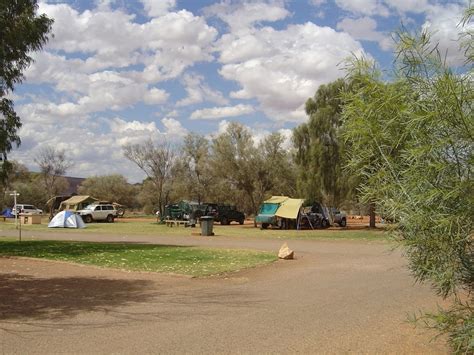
(372, 215)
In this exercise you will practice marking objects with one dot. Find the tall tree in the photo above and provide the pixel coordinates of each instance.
(156, 161)
(113, 188)
(255, 170)
(196, 153)
(319, 148)
(53, 164)
(22, 31)
(413, 142)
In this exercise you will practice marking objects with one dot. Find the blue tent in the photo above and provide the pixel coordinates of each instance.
(67, 219)
(7, 212)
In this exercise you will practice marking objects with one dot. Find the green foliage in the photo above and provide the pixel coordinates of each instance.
(157, 162)
(412, 143)
(113, 188)
(22, 31)
(320, 150)
(257, 170)
(197, 169)
(139, 257)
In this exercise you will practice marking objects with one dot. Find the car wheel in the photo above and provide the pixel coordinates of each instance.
(224, 221)
(241, 221)
(324, 223)
(343, 223)
(88, 218)
(110, 218)
(264, 226)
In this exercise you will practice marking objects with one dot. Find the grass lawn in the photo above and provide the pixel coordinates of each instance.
(123, 227)
(140, 257)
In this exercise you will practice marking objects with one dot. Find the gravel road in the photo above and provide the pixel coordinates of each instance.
(336, 297)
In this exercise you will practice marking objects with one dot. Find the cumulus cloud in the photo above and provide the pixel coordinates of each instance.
(198, 91)
(241, 16)
(221, 112)
(158, 8)
(364, 7)
(286, 66)
(364, 28)
(442, 22)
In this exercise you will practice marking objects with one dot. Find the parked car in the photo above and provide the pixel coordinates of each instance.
(26, 209)
(225, 214)
(98, 212)
(339, 217)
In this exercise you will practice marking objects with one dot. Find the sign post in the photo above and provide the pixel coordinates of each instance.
(15, 194)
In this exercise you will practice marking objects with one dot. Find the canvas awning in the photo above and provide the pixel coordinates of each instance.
(78, 199)
(276, 199)
(289, 208)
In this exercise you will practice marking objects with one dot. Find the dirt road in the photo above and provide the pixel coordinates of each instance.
(337, 297)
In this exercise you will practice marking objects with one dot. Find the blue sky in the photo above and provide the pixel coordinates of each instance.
(118, 72)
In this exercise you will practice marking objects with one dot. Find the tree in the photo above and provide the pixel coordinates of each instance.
(53, 164)
(196, 152)
(21, 32)
(112, 188)
(156, 161)
(255, 170)
(412, 142)
(320, 149)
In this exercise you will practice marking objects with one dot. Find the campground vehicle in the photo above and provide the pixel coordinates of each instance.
(26, 209)
(279, 212)
(98, 212)
(339, 217)
(225, 214)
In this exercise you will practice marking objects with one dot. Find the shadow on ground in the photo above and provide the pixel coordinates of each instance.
(55, 298)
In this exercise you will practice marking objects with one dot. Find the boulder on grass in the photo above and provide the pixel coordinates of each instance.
(286, 253)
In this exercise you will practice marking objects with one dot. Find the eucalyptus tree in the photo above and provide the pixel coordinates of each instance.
(319, 149)
(156, 161)
(412, 141)
(52, 164)
(113, 188)
(197, 166)
(255, 169)
(22, 31)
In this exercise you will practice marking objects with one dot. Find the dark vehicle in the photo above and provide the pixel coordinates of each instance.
(225, 214)
(316, 216)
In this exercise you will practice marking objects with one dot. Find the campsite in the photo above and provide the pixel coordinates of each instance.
(236, 177)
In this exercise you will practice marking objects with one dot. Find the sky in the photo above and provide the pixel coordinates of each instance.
(119, 72)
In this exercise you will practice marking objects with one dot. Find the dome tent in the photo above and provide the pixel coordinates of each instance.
(66, 219)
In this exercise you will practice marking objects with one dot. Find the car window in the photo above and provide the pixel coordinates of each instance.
(97, 208)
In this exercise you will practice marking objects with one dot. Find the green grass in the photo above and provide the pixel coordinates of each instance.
(123, 228)
(140, 257)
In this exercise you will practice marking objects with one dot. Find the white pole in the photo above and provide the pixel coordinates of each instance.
(15, 194)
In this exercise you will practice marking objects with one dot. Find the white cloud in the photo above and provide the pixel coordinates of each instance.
(403, 6)
(155, 96)
(288, 67)
(198, 91)
(156, 8)
(364, 7)
(442, 21)
(364, 28)
(241, 16)
(221, 112)
(173, 128)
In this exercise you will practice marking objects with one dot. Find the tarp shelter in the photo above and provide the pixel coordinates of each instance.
(76, 203)
(290, 208)
(66, 219)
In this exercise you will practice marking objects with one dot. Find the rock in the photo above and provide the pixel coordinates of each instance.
(285, 252)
